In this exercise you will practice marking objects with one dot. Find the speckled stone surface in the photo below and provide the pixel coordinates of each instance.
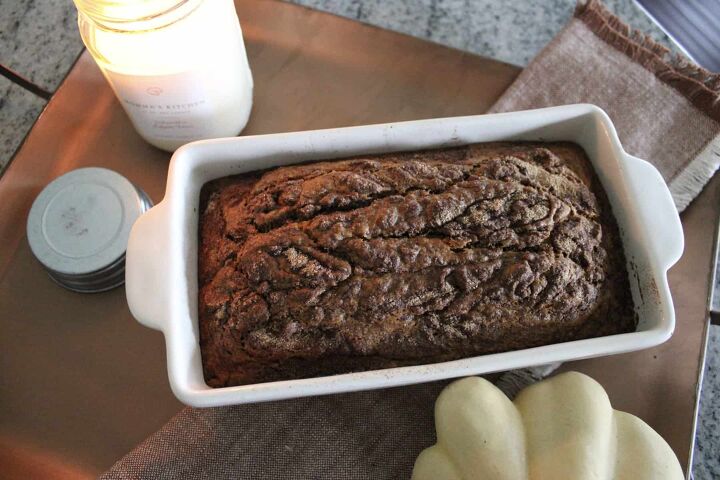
(511, 31)
(18, 110)
(39, 39)
(706, 464)
(716, 297)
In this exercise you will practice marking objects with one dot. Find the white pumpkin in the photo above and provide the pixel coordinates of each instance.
(560, 428)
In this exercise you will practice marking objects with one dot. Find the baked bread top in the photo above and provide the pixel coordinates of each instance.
(406, 258)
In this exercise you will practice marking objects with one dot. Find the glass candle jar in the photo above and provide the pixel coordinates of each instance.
(178, 67)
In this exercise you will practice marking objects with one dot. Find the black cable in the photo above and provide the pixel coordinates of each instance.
(24, 83)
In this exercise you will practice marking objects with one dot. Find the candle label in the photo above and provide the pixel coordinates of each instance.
(173, 107)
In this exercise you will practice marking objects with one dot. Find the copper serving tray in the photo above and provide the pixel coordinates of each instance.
(84, 383)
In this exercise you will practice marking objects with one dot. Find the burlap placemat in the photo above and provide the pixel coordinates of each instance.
(666, 111)
(665, 108)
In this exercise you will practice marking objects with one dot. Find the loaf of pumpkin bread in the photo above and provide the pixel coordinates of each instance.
(405, 258)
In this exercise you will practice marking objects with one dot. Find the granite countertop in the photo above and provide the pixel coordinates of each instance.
(39, 40)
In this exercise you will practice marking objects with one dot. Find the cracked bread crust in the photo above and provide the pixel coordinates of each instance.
(405, 258)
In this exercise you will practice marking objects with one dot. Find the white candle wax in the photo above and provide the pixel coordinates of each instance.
(181, 74)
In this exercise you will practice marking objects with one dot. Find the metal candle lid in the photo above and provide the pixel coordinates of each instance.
(79, 225)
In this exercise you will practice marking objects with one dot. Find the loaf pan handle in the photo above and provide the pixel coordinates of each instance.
(146, 276)
(659, 210)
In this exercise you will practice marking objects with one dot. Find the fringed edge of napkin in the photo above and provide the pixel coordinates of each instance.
(699, 86)
(688, 183)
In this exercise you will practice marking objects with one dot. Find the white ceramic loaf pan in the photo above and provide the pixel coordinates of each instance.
(161, 270)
